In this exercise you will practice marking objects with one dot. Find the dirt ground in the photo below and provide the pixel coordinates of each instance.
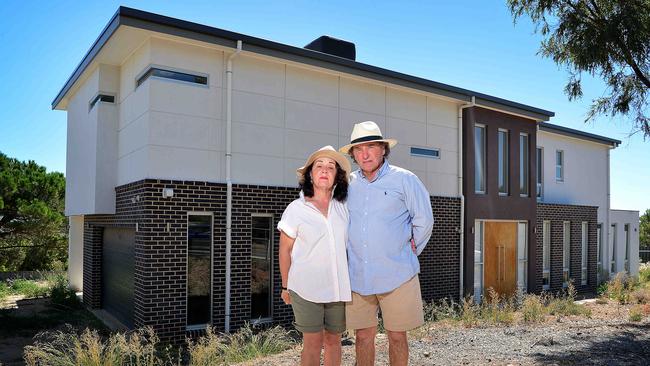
(21, 319)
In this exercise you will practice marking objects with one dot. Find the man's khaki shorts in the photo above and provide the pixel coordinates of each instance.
(401, 309)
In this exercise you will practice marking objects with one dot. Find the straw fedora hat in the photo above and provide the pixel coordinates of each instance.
(364, 132)
(328, 152)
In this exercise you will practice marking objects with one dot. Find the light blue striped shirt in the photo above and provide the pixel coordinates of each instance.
(385, 214)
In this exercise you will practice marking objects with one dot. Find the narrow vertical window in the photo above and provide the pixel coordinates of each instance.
(626, 228)
(583, 253)
(540, 170)
(478, 260)
(612, 251)
(522, 256)
(261, 269)
(479, 159)
(559, 166)
(199, 270)
(524, 163)
(546, 255)
(503, 162)
(599, 254)
(566, 253)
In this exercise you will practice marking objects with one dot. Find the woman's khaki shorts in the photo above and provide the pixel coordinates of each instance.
(312, 317)
(401, 309)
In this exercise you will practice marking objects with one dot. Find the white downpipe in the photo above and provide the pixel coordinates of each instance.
(460, 193)
(607, 227)
(228, 180)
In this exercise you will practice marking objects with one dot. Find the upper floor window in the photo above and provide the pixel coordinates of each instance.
(105, 98)
(479, 159)
(173, 75)
(425, 152)
(540, 171)
(559, 165)
(524, 163)
(503, 162)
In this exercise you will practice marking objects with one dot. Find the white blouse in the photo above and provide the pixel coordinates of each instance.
(319, 265)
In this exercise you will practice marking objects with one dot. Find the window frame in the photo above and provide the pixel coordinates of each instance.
(149, 72)
(101, 97)
(546, 254)
(612, 259)
(566, 253)
(626, 263)
(539, 180)
(187, 263)
(584, 253)
(524, 165)
(268, 319)
(560, 166)
(483, 177)
(503, 165)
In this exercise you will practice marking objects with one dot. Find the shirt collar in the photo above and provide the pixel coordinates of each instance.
(382, 171)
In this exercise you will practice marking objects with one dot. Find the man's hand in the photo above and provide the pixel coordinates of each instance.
(415, 250)
(286, 297)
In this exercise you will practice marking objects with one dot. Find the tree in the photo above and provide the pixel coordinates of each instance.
(605, 38)
(644, 230)
(32, 224)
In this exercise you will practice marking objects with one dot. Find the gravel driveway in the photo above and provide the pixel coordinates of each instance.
(605, 339)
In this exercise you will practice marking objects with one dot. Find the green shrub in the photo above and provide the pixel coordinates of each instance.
(532, 309)
(28, 288)
(636, 314)
(471, 312)
(644, 273)
(4, 290)
(61, 293)
(620, 288)
(68, 348)
(441, 310)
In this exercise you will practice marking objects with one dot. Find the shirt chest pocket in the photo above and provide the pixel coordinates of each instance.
(386, 199)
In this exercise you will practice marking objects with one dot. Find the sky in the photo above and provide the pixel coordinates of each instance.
(471, 44)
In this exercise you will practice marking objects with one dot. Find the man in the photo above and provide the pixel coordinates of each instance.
(390, 224)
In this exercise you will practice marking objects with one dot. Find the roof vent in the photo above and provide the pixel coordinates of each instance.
(333, 46)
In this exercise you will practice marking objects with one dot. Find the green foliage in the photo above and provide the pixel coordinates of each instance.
(28, 288)
(61, 294)
(532, 309)
(644, 273)
(609, 39)
(621, 287)
(32, 223)
(644, 230)
(636, 314)
(4, 291)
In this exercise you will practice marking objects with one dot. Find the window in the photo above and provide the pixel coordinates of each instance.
(173, 75)
(479, 159)
(559, 166)
(524, 163)
(522, 256)
(503, 162)
(104, 98)
(540, 170)
(612, 251)
(478, 260)
(626, 229)
(546, 255)
(583, 273)
(566, 253)
(599, 248)
(261, 268)
(427, 153)
(199, 270)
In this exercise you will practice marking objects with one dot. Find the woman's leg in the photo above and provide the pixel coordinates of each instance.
(332, 343)
(311, 346)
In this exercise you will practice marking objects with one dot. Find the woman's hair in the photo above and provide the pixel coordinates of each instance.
(340, 183)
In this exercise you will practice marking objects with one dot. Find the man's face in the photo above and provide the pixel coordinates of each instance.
(369, 156)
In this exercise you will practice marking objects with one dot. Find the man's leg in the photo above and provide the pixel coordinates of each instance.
(332, 342)
(311, 346)
(365, 346)
(398, 348)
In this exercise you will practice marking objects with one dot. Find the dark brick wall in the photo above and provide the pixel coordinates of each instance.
(161, 254)
(440, 260)
(557, 214)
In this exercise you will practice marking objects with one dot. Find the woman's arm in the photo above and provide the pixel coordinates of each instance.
(286, 244)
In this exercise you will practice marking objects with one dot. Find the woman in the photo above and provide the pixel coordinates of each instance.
(313, 261)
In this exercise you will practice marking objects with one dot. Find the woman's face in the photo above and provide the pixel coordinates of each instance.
(323, 173)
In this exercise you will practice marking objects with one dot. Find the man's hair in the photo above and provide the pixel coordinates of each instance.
(340, 183)
(386, 151)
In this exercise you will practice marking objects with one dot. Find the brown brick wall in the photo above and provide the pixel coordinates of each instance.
(557, 214)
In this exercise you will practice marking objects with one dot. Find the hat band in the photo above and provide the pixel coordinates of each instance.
(366, 138)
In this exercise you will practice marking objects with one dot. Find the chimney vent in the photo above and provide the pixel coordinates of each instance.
(333, 46)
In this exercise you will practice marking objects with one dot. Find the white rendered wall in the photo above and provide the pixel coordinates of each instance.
(281, 113)
(621, 218)
(76, 252)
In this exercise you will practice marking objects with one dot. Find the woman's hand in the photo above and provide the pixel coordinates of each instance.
(286, 297)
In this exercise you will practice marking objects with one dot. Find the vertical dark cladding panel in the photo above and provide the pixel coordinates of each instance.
(557, 214)
(161, 250)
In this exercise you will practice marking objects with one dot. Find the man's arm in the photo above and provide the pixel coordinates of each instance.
(418, 203)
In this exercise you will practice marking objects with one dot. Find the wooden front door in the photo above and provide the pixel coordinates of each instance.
(500, 257)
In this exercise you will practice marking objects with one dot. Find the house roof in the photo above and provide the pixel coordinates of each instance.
(545, 126)
(163, 24)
